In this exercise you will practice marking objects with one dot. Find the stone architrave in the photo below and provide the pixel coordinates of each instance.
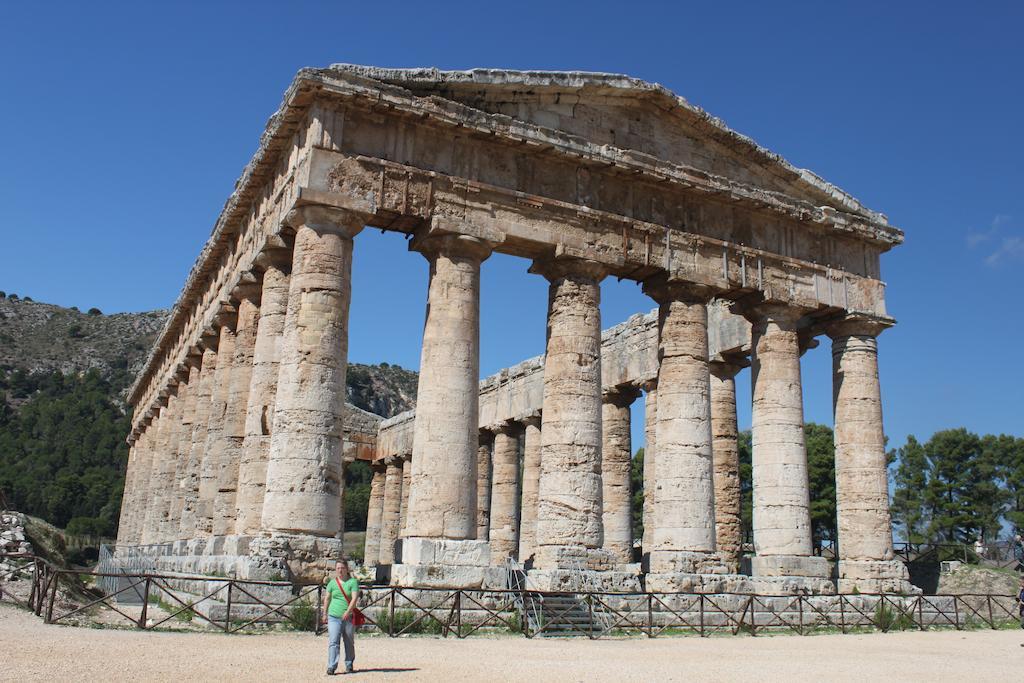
(504, 533)
(781, 507)
(483, 485)
(728, 533)
(391, 516)
(374, 515)
(866, 558)
(684, 535)
(190, 513)
(650, 480)
(569, 497)
(616, 455)
(232, 435)
(442, 495)
(304, 472)
(259, 414)
(403, 515)
(531, 486)
(209, 477)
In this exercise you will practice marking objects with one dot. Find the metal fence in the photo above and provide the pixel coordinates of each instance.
(233, 605)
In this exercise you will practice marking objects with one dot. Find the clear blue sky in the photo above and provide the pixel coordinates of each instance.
(125, 127)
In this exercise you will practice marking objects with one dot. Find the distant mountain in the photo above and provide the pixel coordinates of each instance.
(63, 378)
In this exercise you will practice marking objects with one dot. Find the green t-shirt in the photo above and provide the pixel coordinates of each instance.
(338, 603)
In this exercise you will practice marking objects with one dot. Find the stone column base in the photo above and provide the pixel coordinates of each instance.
(444, 563)
(309, 558)
(683, 582)
(875, 576)
(624, 579)
(790, 565)
(686, 562)
(573, 557)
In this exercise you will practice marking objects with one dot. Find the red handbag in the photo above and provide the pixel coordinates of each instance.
(358, 618)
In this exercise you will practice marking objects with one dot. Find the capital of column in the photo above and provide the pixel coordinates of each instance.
(560, 267)
(532, 420)
(327, 219)
(649, 385)
(728, 367)
(227, 317)
(508, 428)
(665, 287)
(784, 315)
(451, 245)
(857, 324)
(621, 396)
(247, 291)
(281, 259)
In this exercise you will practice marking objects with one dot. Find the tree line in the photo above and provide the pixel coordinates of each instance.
(955, 488)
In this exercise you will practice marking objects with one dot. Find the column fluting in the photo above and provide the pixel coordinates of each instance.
(531, 486)
(504, 532)
(375, 515)
(391, 516)
(616, 458)
(728, 532)
(483, 485)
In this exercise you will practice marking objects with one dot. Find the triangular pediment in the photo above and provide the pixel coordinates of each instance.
(624, 113)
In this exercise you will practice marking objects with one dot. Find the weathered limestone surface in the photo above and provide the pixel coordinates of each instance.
(724, 447)
(504, 532)
(616, 454)
(375, 515)
(483, 485)
(391, 517)
(782, 522)
(304, 472)
(189, 523)
(569, 498)
(188, 391)
(531, 487)
(259, 414)
(862, 488)
(155, 486)
(442, 499)
(650, 481)
(232, 436)
(684, 496)
(213, 462)
(403, 513)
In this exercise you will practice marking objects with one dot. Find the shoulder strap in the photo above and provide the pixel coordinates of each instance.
(342, 589)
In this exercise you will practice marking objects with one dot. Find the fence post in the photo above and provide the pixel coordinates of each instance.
(800, 608)
(753, 618)
(956, 613)
(53, 596)
(227, 611)
(842, 615)
(145, 603)
(650, 615)
(700, 602)
(391, 621)
(590, 609)
(991, 620)
(920, 612)
(319, 609)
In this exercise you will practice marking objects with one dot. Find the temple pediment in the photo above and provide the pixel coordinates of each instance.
(619, 112)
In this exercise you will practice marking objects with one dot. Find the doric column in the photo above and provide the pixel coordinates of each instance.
(375, 515)
(232, 436)
(684, 534)
(483, 485)
(504, 532)
(127, 498)
(403, 516)
(569, 499)
(531, 486)
(259, 414)
(156, 488)
(304, 473)
(164, 533)
(650, 481)
(724, 447)
(616, 454)
(442, 500)
(782, 520)
(862, 488)
(187, 393)
(213, 461)
(188, 526)
(391, 517)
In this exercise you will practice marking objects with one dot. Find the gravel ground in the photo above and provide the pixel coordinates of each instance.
(33, 651)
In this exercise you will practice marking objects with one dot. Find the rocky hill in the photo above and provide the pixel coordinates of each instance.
(42, 338)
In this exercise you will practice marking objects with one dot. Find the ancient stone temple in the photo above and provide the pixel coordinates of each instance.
(241, 431)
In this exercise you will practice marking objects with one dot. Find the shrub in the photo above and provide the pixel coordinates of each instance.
(3, 294)
(95, 311)
(28, 299)
(403, 623)
(303, 616)
(888, 619)
(75, 331)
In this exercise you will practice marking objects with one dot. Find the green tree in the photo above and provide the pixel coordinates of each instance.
(636, 490)
(963, 492)
(821, 474)
(1007, 454)
(909, 508)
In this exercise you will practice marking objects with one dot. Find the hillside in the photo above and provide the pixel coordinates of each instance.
(63, 377)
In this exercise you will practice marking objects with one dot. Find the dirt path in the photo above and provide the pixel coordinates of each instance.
(34, 651)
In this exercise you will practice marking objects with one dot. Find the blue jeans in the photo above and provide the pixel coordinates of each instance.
(336, 631)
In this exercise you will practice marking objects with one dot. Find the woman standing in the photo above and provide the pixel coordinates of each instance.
(339, 603)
